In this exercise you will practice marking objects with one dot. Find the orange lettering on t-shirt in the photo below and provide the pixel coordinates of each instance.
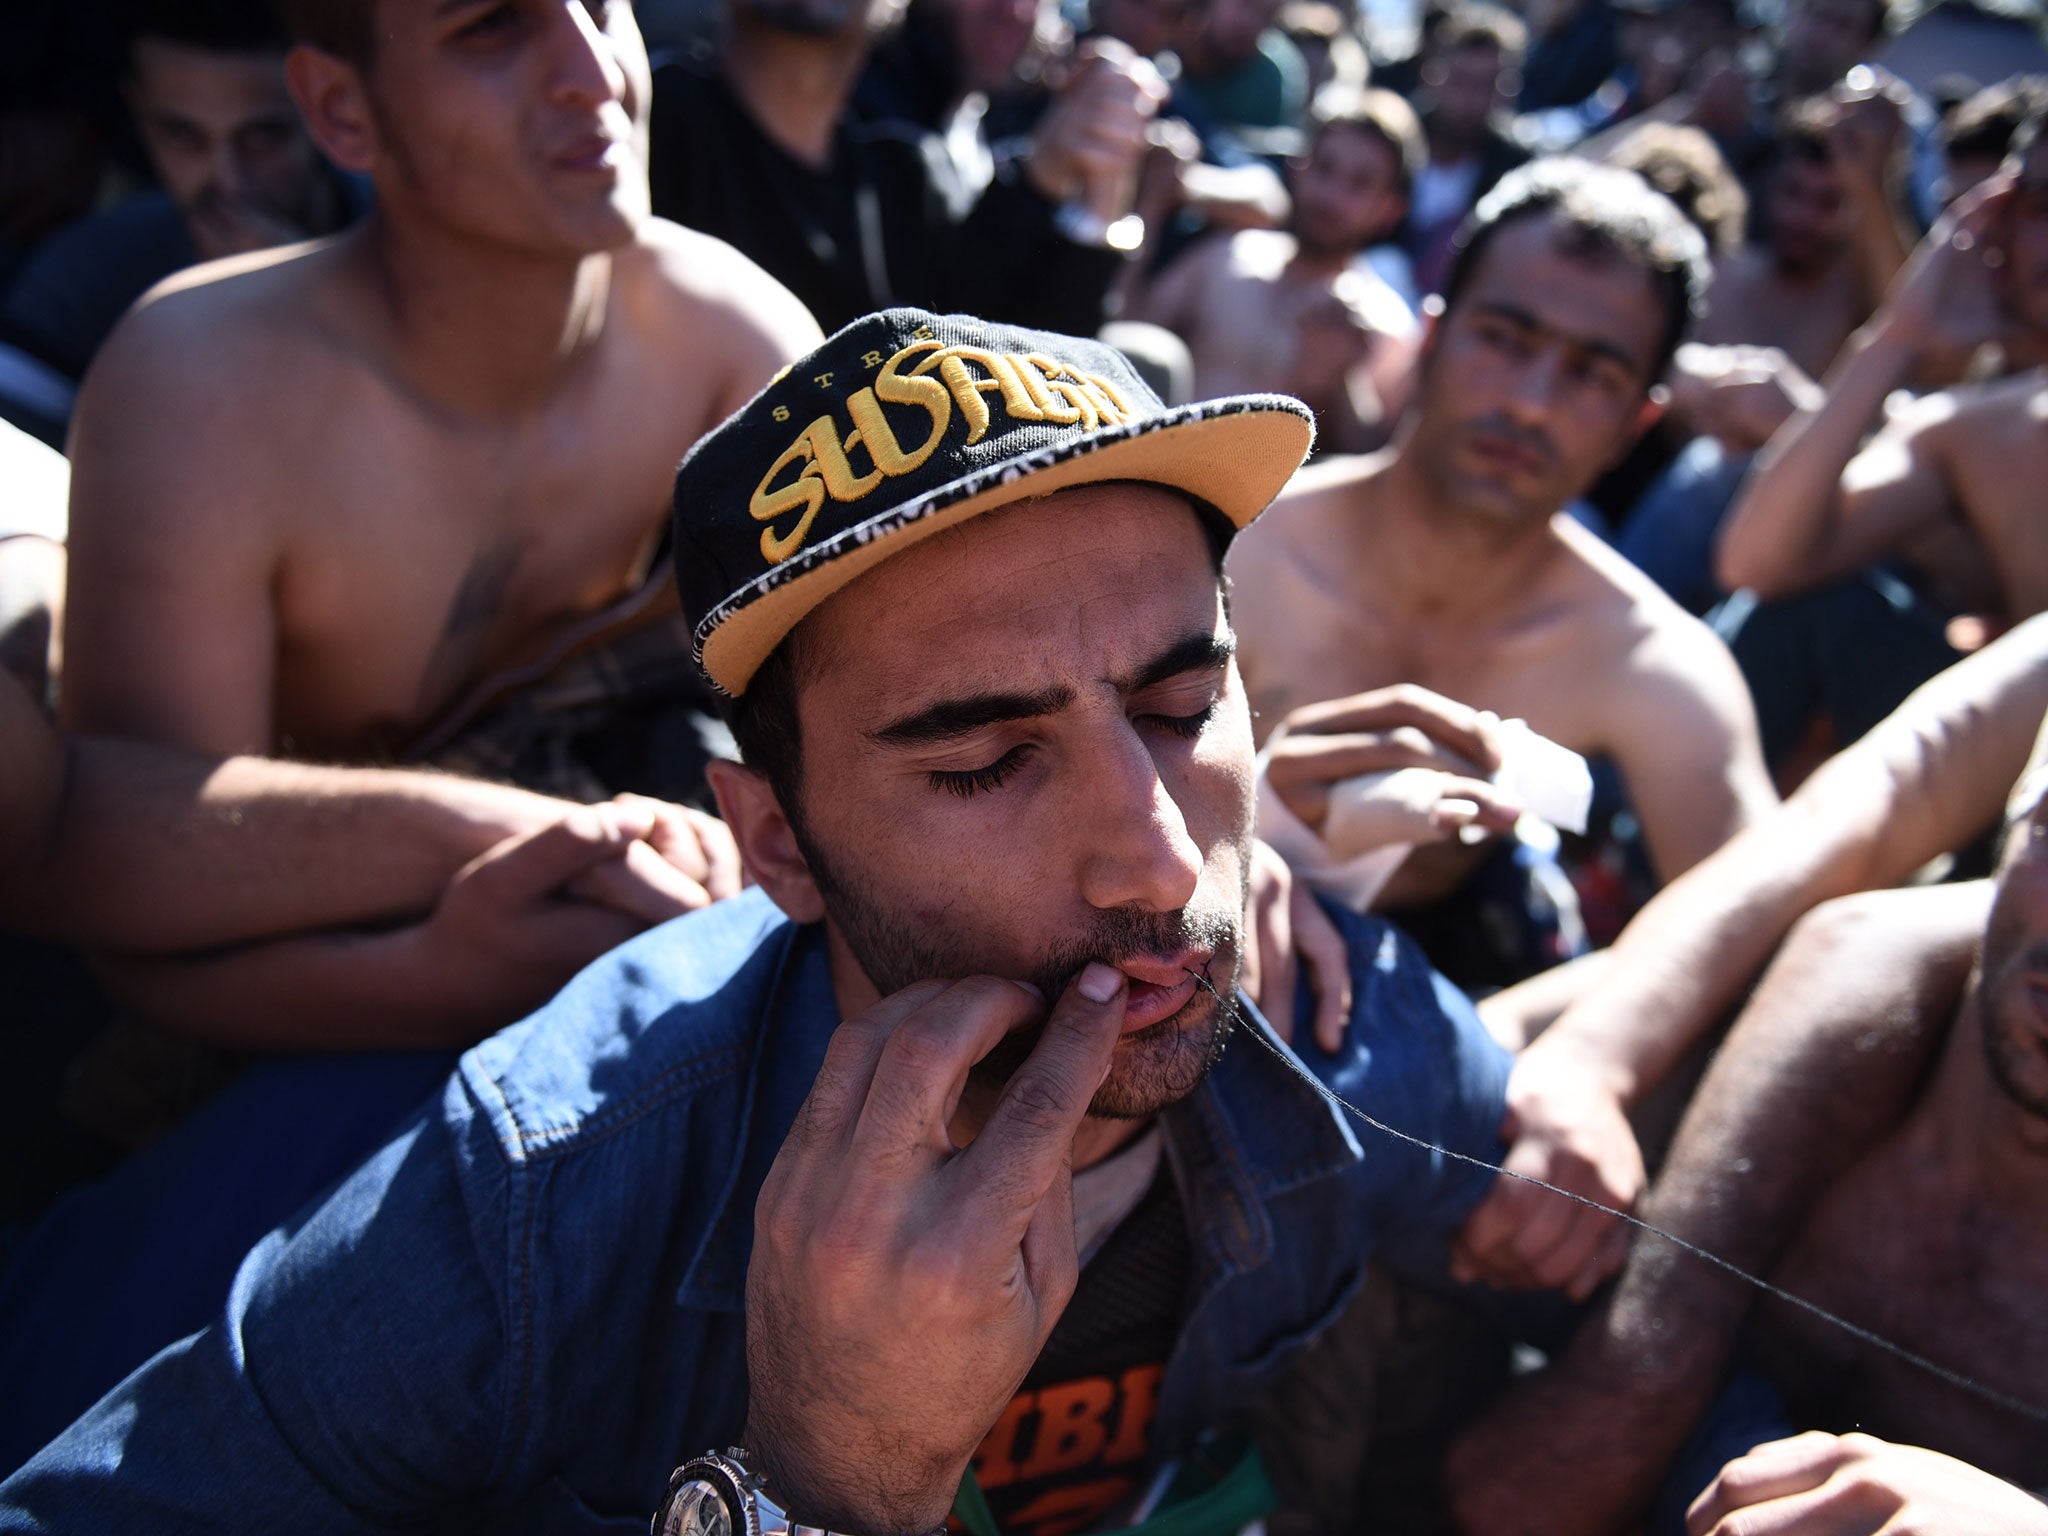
(995, 1464)
(1075, 1507)
(1139, 1390)
(1073, 1427)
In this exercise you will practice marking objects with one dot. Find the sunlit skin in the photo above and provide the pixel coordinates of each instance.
(496, 123)
(1951, 1202)
(1108, 783)
(1535, 381)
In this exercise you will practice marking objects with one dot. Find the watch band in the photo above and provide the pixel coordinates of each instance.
(753, 1511)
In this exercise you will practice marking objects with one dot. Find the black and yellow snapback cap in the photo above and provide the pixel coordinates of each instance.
(906, 423)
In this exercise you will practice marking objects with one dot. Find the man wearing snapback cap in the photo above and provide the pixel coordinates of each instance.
(1020, 1215)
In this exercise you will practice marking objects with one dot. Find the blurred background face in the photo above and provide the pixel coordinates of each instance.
(1346, 192)
(1464, 86)
(1148, 27)
(1804, 212)
(220, 129)
(990, 38)
(1232, 27)
(1822, 39)
(818, 18)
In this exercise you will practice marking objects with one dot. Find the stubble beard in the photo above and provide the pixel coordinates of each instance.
(1155, 1067)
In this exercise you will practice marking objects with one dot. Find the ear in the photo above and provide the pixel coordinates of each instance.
(1648, 414)
(332, 98)
(768, 846)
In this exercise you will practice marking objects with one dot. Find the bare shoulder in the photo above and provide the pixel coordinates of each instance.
(222, 367)
(1321, 495)
(703, 292)
(1641, 647)
(224, 325)
(2017, 403)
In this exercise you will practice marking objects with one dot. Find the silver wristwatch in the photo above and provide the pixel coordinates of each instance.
(718, 1495)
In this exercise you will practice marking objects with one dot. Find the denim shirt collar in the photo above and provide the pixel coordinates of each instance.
(1253, 1130)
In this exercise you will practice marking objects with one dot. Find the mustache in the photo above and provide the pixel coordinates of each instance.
(1530, 439)
(1127, 934)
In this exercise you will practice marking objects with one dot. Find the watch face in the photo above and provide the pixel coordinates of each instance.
(696, 1508)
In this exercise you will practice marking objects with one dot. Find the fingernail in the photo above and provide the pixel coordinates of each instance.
(1099, 983)
(1032, 989)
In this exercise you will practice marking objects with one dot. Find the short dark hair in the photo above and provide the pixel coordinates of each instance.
(1481, 25)
(1378, 114)
(1686, 166)
(218, 26)
(1599, 209)
(764, 720)
(345, 28)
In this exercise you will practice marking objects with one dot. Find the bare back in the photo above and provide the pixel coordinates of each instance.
(1577, 642)
(280, 543)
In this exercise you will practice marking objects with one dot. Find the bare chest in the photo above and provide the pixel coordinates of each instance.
(433, 556)
(1322, 641)
(1996, 482)
(1957, 1283)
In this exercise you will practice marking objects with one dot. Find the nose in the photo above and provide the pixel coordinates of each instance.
(584, 70)
(227, 169)
(1135, 847)
(1534, 388)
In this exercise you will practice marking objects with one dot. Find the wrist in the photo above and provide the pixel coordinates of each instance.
(1562, 1050)
(824, 1497)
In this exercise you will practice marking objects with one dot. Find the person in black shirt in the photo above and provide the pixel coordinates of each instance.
(759, 148)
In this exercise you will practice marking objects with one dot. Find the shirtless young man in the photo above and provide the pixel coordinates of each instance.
(247, 573)
(1823, 505)
(1446, 563)
(1296, 311)
(1833, 238)
(319, 495)
(1820, 1153)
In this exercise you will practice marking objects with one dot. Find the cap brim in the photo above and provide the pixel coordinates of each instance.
(1235, 454)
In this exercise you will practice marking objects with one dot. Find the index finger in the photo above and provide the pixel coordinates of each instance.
(1447, 722)
(1029, 1138)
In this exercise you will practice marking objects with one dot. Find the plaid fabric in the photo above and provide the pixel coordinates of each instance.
(616, 704)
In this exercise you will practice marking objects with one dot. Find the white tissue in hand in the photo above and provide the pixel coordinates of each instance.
(1544, 778)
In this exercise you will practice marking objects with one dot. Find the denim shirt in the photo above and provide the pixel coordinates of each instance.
(526, 1308)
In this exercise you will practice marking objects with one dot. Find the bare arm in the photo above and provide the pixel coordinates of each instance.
(170, 622)
(1928, 779)
(1809, 515)
(1686, 741)
(1823, 1060)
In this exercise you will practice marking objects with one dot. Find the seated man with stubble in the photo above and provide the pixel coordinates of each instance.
(1021, 1211)
(1447, 563)
(398, 496)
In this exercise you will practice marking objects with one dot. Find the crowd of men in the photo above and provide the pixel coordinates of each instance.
(1321, 805)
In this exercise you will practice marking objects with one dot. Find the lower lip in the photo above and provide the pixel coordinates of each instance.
(602, 160)
(1506, 455)
(1148, 1003)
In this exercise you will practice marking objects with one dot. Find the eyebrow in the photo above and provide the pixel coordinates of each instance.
(950, 718)
(1514, 314)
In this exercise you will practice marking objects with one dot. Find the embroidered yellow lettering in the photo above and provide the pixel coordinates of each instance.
(806, 491)
(1032, 388)
(871, 359)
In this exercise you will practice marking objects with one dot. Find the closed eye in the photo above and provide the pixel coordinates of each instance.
(1189, 726)
(969, 782)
